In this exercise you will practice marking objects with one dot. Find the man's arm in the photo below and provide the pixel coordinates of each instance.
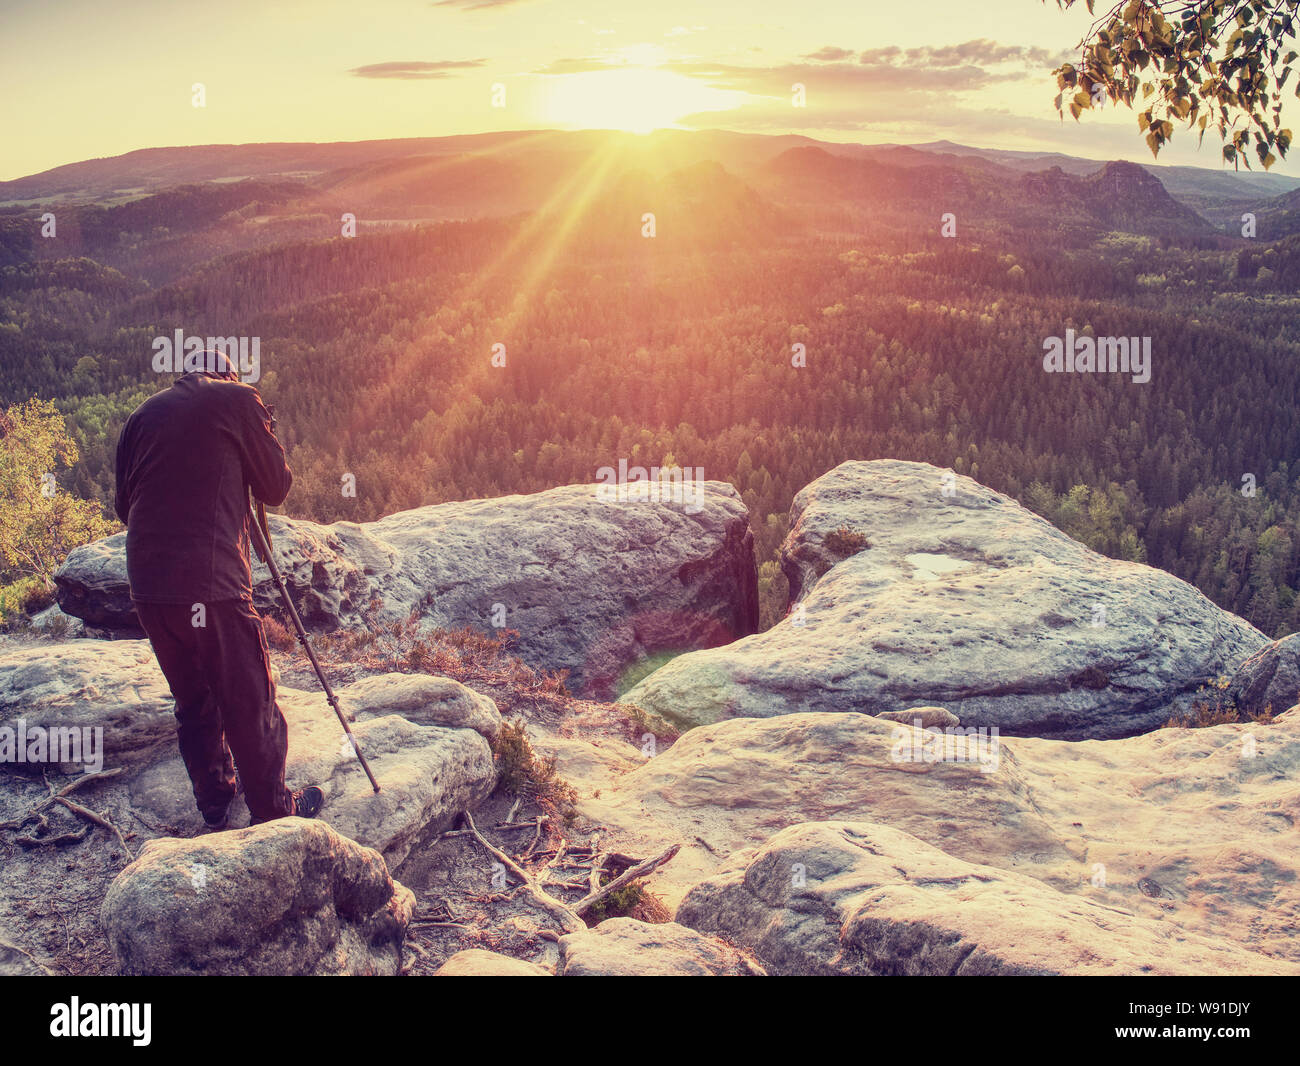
(265, 468)
(122, 493)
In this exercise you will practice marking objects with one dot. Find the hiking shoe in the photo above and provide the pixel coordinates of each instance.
(215, 823)
(308, 801)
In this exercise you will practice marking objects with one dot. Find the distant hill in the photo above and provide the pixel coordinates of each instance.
(415, 167)
(1118, 196)
(1178, 180)
(1279, 217)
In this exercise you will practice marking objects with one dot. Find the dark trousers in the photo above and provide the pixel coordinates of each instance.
(220, 675)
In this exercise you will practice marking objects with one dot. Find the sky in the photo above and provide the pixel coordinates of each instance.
(82, 79)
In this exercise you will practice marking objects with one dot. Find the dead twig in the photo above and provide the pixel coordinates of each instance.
(98, 819)
(568, 919)
(54, 797)
(541, 824)
(636, 872)
(62, 838)
(593, 878)
(546, 867)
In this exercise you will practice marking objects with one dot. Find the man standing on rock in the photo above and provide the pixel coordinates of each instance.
(186, 460)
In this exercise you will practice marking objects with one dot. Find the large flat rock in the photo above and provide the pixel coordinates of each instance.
(427, 774)
(967, 601)
(591, 584)
(1187, 828)
(863, 899)
(114, 687)
(427, 739)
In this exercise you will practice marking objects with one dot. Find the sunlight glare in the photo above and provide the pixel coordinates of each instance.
(635, 99)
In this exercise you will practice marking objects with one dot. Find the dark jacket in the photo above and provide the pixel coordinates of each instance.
(186, 459)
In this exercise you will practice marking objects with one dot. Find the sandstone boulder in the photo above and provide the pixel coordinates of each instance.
(863, 899)
(476, 962)
(1189, 828)
(625, 947)
(92, 585)
(914, 586)
(428, 775)
(592, 585)
(925, 717)
(291, 897)
(114, 690)
(111, 686)
(425, 700)
(1269, 679)
(727, 787)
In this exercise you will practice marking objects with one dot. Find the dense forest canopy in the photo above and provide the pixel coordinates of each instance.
(922, 294)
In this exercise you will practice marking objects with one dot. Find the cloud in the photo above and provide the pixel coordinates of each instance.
(415, 71)
(584, 65)
(843, 77)
(957, 91)
(829, 54)
(980, 52)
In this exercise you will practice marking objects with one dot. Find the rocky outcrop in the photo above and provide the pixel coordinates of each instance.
(1190, 829)
(1269, 681)
(425, 700)
(427, 739)
(92, 585)
(57, 624)
(428, 775)
(863, 899)
(729, 786)
(625, 947)
(476, 962)
(591, 584)
(290, 897)
(912, 586)
(107, 691)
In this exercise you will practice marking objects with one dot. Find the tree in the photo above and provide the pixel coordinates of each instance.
(1220, 63)
(39, 523)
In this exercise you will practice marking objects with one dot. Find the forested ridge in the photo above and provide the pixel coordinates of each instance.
(377, 351)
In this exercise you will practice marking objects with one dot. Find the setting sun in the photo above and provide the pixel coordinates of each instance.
(634, 99)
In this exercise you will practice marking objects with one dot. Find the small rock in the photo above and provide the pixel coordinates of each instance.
(1269, 679)
(290, 897)
(624, 947)
(475, 962)
(925, 717)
